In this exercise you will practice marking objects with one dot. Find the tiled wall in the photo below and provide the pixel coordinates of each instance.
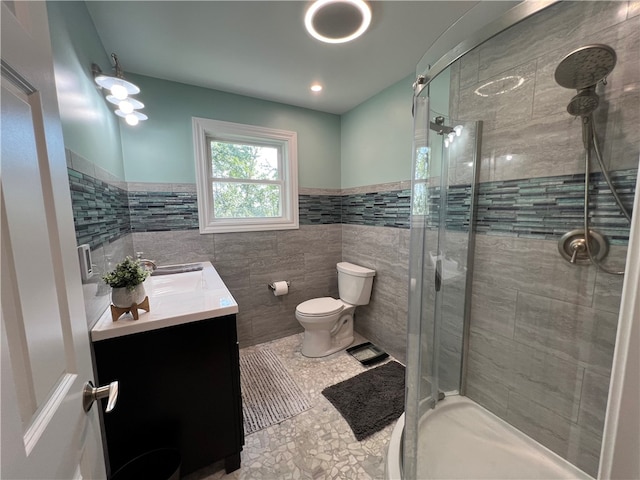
(101, 218)
(163, 210)
(100, 209)
(175, 206)
(320, 209)
(164, 225)
(377, 208)
(368, 242)
(247, 262)
(542, 330)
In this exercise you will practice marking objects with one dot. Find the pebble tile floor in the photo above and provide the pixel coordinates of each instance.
(316, 444)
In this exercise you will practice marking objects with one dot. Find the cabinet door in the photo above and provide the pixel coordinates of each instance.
(179, 387)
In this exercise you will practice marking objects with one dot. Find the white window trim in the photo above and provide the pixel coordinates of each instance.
(204, 128)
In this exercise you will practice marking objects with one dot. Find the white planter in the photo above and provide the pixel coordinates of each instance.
(124, 298)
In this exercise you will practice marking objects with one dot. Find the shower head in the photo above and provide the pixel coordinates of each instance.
(585, 102)
(585, 66)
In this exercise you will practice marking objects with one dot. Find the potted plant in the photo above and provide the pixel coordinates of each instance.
(126, 283)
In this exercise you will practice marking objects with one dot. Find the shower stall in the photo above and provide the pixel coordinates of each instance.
(526, 148)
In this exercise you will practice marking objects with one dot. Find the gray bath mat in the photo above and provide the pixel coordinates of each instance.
(371, 400)
(269, 394)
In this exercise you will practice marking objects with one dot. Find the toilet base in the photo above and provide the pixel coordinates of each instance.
(311, 349)
(320, 343)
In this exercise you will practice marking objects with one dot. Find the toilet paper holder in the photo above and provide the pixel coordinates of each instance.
(273, 287)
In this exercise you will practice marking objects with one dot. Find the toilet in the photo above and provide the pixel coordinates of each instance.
(328, 322)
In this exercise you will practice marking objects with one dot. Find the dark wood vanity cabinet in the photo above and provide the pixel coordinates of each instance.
(179, 387)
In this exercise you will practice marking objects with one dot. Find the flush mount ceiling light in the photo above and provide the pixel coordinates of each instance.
(337, 21)
(119, 92)
(316, 87)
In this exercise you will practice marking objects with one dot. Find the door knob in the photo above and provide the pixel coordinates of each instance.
(90, 394)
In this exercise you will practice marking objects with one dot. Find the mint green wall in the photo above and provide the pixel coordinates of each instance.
(438, 106)
(89, 126)
(161, 148)
(369, 144)
(376, 138)
(439, 94)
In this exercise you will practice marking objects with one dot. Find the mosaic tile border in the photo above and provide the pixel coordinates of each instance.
(163, 211)
(319, 209)
(544, 208)
(379, 209)
(100, 210)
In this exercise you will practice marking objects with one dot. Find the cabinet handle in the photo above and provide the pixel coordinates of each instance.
(90, 394)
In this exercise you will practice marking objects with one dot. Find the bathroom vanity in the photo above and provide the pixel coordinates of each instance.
(178, 373)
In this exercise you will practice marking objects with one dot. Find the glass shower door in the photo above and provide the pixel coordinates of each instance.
(445, 152)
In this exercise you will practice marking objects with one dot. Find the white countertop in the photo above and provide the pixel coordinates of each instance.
(173, 300)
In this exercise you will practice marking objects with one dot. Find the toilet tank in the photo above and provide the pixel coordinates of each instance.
(354, 283)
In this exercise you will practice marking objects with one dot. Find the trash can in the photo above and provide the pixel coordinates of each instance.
(160, 464)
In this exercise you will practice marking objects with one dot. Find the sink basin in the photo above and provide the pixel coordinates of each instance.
(179, 283)
(173, 269)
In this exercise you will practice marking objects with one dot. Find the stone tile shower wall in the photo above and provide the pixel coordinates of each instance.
(542, 330)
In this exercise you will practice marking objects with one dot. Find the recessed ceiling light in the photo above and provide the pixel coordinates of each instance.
(337, 21)
(316, 87)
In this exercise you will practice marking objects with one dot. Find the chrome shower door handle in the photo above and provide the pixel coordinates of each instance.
(90, 394)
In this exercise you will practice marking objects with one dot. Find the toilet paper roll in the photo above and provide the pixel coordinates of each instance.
(280, 288)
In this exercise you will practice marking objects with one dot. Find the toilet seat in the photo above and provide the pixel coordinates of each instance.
(320, 307)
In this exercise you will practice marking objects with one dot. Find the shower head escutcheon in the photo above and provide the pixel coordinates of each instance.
(585, 66)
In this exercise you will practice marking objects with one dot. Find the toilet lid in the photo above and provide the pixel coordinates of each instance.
(319, 307)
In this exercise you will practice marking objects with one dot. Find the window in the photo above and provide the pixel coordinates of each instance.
(247, 177)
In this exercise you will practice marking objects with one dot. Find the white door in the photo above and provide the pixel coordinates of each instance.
(45, 344)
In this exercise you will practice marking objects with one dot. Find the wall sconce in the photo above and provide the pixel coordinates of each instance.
(119, 92)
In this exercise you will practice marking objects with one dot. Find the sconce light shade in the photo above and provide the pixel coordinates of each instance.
(131, 103)
(120, 91)
(131, 118)
(117, 86)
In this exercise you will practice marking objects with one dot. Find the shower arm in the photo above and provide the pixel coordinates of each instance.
(440, 128)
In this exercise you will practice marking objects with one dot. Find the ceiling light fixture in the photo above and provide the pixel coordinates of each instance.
(316, 87)
(337, 21)
(119, 92)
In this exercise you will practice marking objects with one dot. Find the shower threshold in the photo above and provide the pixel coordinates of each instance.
(459, 439)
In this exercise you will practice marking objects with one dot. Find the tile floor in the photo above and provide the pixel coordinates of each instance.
(316, 444)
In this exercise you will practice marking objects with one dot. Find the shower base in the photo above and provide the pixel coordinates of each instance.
(464, 440)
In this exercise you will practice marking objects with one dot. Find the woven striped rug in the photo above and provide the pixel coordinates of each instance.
(269, 394)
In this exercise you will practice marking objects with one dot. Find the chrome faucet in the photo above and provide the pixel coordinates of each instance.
(145, 262)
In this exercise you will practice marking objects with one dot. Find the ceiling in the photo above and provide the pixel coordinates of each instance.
(261, 49)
